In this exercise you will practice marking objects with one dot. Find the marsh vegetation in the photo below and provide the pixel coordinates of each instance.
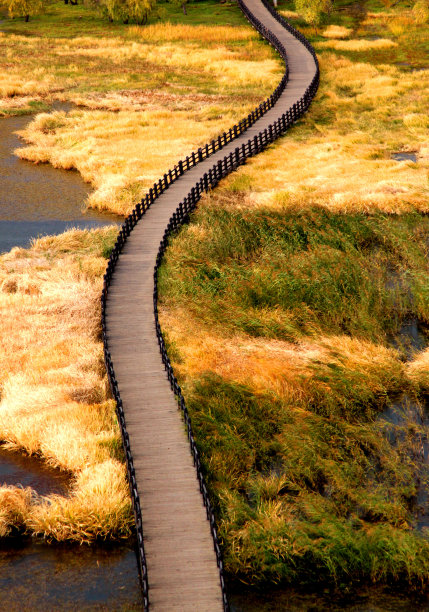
(279, 301)
(147, 96)
(54, 396)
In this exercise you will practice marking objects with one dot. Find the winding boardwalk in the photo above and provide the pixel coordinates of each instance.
(181, 562)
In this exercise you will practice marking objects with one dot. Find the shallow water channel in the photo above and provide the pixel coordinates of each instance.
(37, 576)
(37, 199)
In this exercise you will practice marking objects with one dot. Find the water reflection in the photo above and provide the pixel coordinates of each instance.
(38, 577)
(37, 199)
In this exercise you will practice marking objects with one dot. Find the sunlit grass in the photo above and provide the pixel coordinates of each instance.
(122, 154)
(356, 45)
(279, 302)
(54, 393)
(340, 155)
(166, 89)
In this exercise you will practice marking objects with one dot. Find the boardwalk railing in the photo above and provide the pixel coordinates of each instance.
(207, 181)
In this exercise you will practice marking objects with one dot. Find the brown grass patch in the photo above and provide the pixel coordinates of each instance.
(54, 397)
(356, 45)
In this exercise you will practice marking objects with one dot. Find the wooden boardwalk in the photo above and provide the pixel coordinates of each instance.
(181, 562)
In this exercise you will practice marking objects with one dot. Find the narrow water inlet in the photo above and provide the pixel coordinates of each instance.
(405, 422)
(38, 199)
(28, 471)
(410, 338)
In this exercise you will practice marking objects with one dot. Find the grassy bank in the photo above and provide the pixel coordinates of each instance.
(54, 393)
(147, 96)
(280, 302)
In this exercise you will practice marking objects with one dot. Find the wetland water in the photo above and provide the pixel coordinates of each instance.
(371, 599)
(37, 576)
(37, 199)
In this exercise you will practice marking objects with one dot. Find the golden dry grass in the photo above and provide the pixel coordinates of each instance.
(168, 32)
(165, 90)
(418, 370)
(54, 397)
(15, 506)
(336, 31)
(356, 45)
(340, 157)
(150, 96)
(271, 366)
(120, 154)
(289, 14)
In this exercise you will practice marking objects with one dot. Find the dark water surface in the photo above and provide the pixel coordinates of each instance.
(36, 577)
(19, 469)
(404, 156)
(37, 199)
(371, 599)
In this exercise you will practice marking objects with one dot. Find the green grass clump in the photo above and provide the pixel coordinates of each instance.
(284, 276)
(302, 498)
(306, 484)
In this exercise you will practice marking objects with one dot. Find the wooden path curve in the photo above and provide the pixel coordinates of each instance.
(182, 569)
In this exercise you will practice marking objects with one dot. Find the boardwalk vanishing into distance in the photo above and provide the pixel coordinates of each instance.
(182, 570)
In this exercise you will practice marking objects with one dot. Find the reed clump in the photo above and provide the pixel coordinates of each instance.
(55, 402)
(287, 367)
(15, 506)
